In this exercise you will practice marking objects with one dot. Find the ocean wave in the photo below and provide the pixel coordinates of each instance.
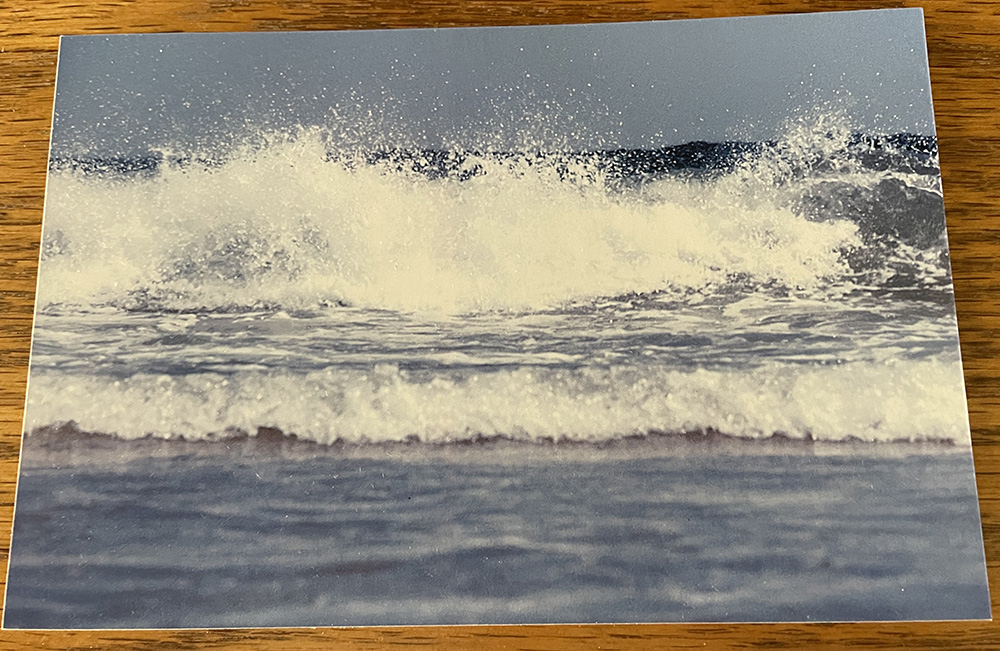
(875, 402)
(288, 224)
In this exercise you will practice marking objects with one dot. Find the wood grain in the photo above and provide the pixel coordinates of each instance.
(964, 48)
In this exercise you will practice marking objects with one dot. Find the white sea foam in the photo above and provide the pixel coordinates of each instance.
(889, 401)
(285, 225)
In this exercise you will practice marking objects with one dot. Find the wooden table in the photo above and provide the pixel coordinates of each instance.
(964, 47)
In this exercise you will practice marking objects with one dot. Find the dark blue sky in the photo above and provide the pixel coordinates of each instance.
(605, 85)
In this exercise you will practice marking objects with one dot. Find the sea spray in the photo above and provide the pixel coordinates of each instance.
(290, 223)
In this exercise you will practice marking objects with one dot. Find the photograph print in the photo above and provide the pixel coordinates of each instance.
(637, 322)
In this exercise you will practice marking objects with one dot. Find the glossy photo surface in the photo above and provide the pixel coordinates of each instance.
(639, 322)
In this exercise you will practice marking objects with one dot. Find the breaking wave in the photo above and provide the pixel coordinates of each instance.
(291, 223)
(874, 402)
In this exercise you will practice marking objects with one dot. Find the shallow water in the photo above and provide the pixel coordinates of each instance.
(260, 537)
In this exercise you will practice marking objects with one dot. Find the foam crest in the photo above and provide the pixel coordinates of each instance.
(285, 223)
(908, 401)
